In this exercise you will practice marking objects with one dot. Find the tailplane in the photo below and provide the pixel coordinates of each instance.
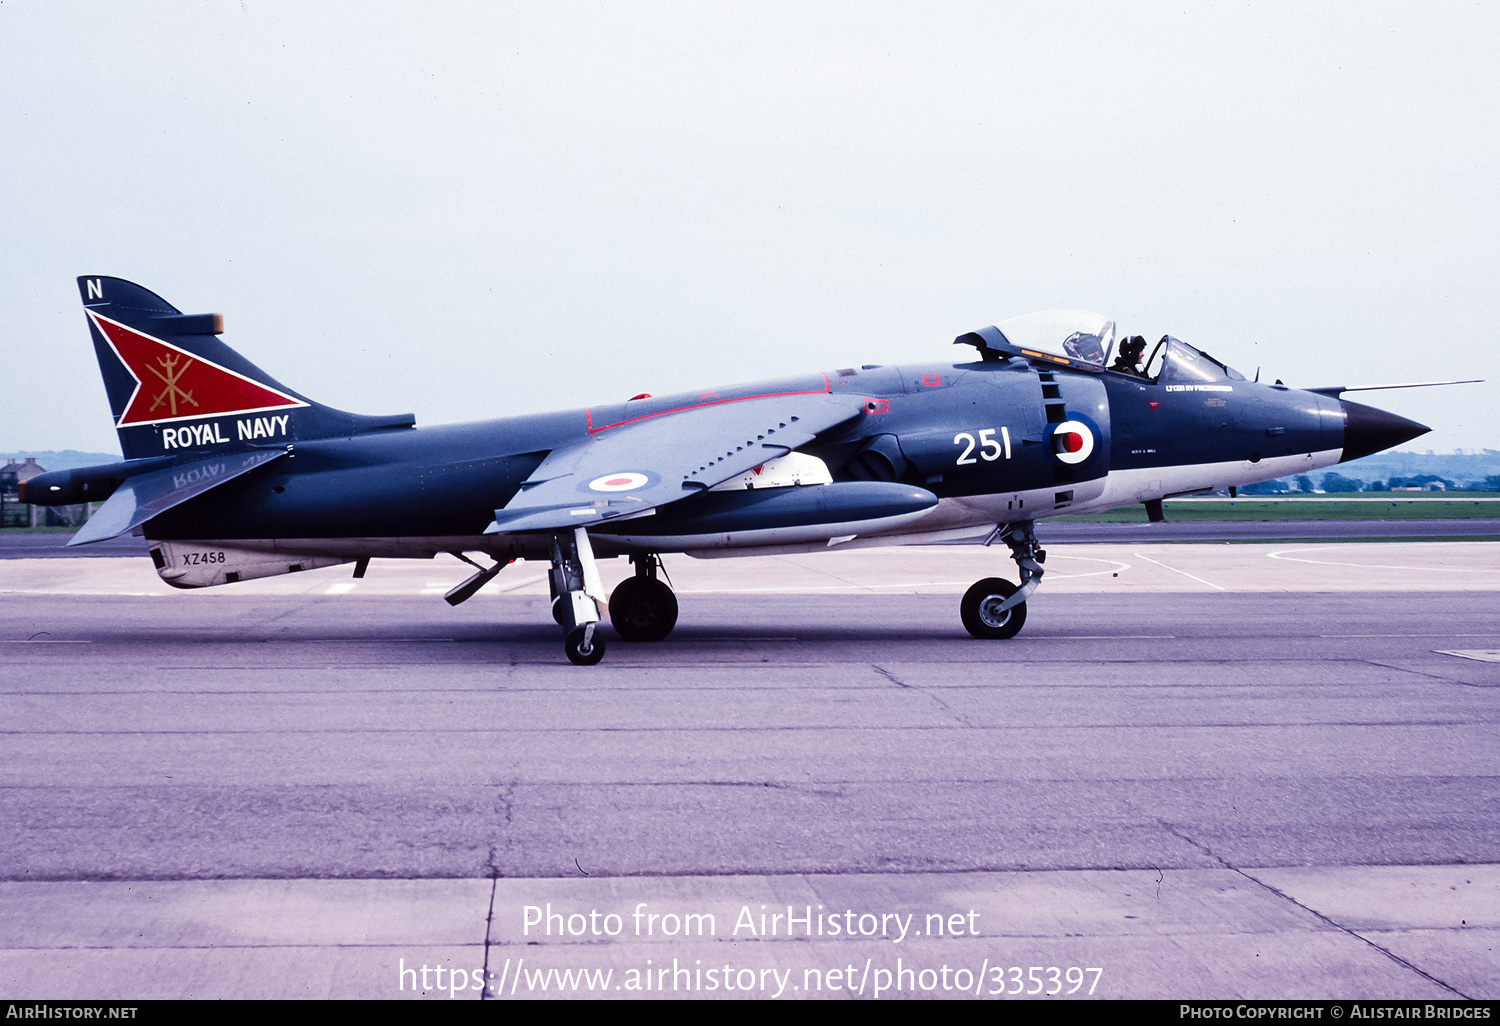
(176, 390)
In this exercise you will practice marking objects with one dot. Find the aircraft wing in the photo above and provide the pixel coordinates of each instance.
(142, 497)
(638, 465)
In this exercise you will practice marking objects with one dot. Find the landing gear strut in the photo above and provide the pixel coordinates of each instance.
(576, 596)
(994, 608)
(643, 607)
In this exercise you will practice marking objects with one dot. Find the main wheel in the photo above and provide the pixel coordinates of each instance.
(980, 616)
(557, 610)
(643, 609)
(577, 654)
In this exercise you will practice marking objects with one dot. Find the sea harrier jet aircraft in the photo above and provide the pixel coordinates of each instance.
(232, 475)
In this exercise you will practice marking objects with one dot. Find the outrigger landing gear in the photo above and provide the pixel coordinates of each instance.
(995, 608)
(576, 596)
(642, 607)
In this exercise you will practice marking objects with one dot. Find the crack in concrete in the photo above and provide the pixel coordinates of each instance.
(1306, 908)
(507, 800)
(1424, 673)
(888, 675)
(489, 919)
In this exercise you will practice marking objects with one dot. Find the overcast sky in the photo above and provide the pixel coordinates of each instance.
(473, 210)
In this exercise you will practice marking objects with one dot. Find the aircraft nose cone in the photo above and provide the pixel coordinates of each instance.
(1368, 430)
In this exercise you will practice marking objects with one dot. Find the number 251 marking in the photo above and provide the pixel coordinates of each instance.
(989, 448)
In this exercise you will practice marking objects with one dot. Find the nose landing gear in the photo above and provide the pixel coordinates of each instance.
(995, 608)
(985, 614)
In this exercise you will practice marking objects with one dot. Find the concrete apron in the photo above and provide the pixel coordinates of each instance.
(1419, 932)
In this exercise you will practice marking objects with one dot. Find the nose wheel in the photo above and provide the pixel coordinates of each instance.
(994, 608)
(985, 614)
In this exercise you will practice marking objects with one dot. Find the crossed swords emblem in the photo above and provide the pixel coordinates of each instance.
(173, 391)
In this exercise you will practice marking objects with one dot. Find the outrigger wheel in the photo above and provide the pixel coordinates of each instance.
(643, 607)
(577, 596)
(583, 646)
(995, 609)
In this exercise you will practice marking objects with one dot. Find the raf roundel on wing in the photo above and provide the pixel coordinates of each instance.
(621, 481)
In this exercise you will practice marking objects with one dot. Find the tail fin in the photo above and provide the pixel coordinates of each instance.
(175, 389)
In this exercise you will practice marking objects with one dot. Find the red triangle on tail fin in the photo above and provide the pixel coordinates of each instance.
(174, 384)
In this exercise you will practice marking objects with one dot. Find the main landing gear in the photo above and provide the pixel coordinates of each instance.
(576, 596)
(642, 607)
(995, 608)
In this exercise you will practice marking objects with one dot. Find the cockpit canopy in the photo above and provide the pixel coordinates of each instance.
(1174, 362)
(1085, 340)
(1074, 338)
(1078, 334)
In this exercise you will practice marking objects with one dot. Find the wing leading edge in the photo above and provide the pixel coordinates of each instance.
(634, 467)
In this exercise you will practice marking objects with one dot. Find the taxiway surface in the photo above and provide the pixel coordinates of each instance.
(1213, 715)
(1060, 531)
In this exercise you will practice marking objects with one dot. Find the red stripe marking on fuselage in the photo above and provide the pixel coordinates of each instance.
(588, 415)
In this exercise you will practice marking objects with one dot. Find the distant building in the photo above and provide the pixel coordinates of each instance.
(24, 470)
(14, 512)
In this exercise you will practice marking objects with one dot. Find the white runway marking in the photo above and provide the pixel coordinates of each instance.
(349, 641)
(1184, 573)
(1379, 566)
(342, 588)
(1114, 567)
(822, 588)
(1483, 655)
(1485, 634)
(723, 641)
(513, 585)
(61, 591)
(1121, 637)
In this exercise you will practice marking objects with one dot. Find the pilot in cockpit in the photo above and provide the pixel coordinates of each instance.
(1129, 357)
